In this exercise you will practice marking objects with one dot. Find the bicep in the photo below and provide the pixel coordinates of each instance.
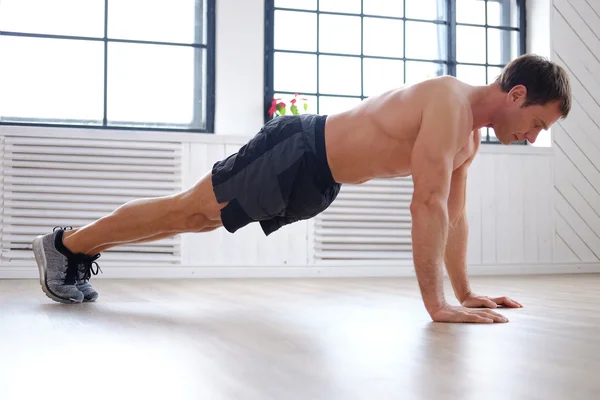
(431, 175)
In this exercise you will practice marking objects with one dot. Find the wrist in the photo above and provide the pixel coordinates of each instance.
(433, 307)
(463, 295)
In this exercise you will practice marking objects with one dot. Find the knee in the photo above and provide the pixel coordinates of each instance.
(196, 223)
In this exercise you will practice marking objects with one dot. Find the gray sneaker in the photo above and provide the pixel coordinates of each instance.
(58, 272)
(85, 269)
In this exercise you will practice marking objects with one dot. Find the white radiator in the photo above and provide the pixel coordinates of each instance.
(370, 221)
(48, 182)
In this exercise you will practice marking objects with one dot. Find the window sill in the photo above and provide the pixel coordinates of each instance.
(119, 134)
(515, 149)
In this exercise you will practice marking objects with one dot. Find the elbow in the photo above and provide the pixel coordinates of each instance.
(432, 204)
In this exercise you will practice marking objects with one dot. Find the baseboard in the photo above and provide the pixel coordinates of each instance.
(305, 271)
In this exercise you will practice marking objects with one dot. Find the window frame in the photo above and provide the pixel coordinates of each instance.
(450, 62)
(159, 127)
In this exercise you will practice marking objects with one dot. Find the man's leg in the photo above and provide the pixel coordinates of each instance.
(193, 210)
(104, 247)
(65, 257)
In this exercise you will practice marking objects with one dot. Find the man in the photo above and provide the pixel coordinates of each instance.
(294, 167)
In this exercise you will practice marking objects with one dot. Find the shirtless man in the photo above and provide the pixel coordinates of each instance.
(294, 167)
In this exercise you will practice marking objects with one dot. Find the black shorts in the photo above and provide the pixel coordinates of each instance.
(279, 177)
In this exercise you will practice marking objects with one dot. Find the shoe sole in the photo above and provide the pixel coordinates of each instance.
(40, 258)
(90, 300)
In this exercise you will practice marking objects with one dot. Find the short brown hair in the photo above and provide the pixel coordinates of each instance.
(545, 81)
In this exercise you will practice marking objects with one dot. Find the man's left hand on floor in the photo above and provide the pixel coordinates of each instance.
(475, 301)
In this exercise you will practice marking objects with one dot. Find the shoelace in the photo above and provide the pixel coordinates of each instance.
(86, 268)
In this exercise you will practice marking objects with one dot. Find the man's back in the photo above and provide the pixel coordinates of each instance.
(376, 138)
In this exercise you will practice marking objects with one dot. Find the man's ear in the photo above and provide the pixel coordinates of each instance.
(517, 94)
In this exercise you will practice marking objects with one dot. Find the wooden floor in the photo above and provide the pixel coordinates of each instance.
(302, 339)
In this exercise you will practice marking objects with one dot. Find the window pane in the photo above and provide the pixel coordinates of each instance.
(382, 75)
(52, 79)
(426, 41)
(388, 8)
(151, 84)
(503, 13)
(304, 39)
(159, 20)
(417, 71)
(295, 72)
(346, 6)
(493, 73)
(472, 75)
(339, 75)
(503, 46)
(383, 37)
(56, 17)
(331, 105)
(470, 44)
(426, 9)
(339, 34)
(470, 11)
(304, 4)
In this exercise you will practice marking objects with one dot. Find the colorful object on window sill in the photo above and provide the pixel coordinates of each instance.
(279, 108)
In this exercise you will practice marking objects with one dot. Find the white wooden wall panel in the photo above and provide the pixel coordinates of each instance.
(564, 253)
(509, 209)
(484, 168)
(576, 46)
(370, 221)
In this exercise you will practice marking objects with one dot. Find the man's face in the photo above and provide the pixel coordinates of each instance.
(516, 123)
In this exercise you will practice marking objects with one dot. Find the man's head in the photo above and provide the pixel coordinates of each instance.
(537, 94)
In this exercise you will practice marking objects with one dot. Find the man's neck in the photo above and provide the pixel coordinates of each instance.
(485, 101)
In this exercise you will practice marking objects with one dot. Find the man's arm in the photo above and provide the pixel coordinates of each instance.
(458, 232)
(456, 246)
(444, 130)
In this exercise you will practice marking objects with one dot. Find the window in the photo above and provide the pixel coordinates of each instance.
(127, 64)
(338, 52)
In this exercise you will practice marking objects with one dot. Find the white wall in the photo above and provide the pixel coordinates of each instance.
(239, 67)
(576, 46)
(509, 208)
(538, 27)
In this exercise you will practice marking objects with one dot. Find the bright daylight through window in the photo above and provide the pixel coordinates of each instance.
(336, 53)
(108, 63)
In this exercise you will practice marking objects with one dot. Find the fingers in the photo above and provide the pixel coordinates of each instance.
(491, 315)
(480, 301)
(496, 317)
(468, 317)
(482, 317)
(489, 303)
(505, 301)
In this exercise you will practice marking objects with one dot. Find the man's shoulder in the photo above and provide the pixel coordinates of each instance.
(449, 93)
(447, 87)
(443, 90)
